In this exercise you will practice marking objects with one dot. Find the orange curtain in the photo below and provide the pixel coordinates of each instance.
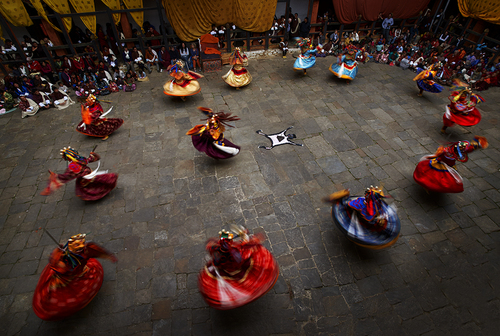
(61, 7)
(137, 16)
(193, 18)
(39, 8)
(348, 11)
(114, 5)
(14, 11)
(481, 9)
(84, 6)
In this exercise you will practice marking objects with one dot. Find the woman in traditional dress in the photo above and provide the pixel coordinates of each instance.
(347, 66)
(367, 221)
(239, 272)
(462, 108)
(90, 185)
(307, 57)
(209, 138)
(61, 99)
(425, 79)
(94, 123)
(184, 82)
(436, 172)
(28, 107)
(238, 76)
(70, 280)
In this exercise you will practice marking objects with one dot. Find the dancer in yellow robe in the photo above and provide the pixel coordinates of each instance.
(238, 76)
(184, 83)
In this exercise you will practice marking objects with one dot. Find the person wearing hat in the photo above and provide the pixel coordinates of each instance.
(93, 122)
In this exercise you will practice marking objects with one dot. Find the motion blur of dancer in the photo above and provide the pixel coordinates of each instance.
(184, 82)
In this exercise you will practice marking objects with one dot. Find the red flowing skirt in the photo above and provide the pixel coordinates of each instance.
(223, 291)
(445, 180)
(100, 127)
(55, 304)
(470, 119)
(95, 188)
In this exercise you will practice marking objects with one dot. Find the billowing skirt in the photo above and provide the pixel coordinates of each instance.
(256, 277)
(58, 303)
(302, 63)
(438, 177)
(349, 223)
(96, 187)
(344, 70)
(187, 88)
(204, 142)
(470, 119)
(100, 127)
(237, 78)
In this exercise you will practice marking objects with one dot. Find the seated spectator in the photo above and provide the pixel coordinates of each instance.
(164, 58)
(195, 58)
(152, 59)
(174, 55)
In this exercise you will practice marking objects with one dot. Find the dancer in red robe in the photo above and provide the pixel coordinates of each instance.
(436, 172)
(90, 185)
(209, 138)
(239, 272)
(71, 279)
(94, 123)
(462, 108)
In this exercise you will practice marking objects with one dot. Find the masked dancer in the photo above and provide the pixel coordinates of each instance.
(307, 57)
(94, 122)
(240, 270)
(347, 66)
(209, 138)
(425, 79)
(71, 279)
(184, 82)
(436, 172)
(462, 108)
(238, 76)
(368, 221)
(90, 185)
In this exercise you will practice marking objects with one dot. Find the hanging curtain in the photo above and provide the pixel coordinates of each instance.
(83, 6)
(348, 11)
(193, 18)
(14, 11)
(137, 16)
(61, 7)
(481, 9)
(114, 5)
(39, 8)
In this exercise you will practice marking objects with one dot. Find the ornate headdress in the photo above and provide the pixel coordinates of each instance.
(91, 99)
(77, 237)
(178, 66)
(463, 89)
(237, 58)
(374, 191)
(70, 154)
(221, 118)
(459, 150)
(306, 43)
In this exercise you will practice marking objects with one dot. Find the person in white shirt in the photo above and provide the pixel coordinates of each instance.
(152, 59)
(386, 26)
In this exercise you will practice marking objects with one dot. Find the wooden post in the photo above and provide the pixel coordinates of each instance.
(127, 31)
(228, 37)
(5, 72)
(266, 46)
(357, 23)
(6, 27)
(341, 33)
(49, 56)
(373, 28)
(287, 23)
(65, 33)
(95, 45)
(115, 31)
(161, 10)
(248, 41)
(141, 42)
(466, 26)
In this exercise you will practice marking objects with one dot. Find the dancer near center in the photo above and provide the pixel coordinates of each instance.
(347, 66)
(94, 123)
(368, 221)
(436, 172)
(239, 272)
(184, 82)
(209, 138)
(425, 80)
(462, 108)
(307, 57)
(238, 76)
(70, 280)
(90, 185)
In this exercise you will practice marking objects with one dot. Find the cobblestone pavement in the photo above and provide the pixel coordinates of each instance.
(441, 278)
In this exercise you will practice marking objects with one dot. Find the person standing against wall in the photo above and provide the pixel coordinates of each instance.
(386, 26)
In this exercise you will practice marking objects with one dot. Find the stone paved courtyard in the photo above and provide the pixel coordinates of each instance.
(441, 278)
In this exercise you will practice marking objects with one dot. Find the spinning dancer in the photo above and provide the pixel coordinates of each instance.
(209, 138)
(368, 221)
(94, 123)
(435, 172)
(90, 185)
(462, 108)
(71, 279)
(425, 78)
(239, 272)
(184, 82)
(347, 66)
(307, 57)
(238, 76)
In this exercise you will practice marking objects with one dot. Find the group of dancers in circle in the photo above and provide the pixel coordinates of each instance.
(240, 269)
